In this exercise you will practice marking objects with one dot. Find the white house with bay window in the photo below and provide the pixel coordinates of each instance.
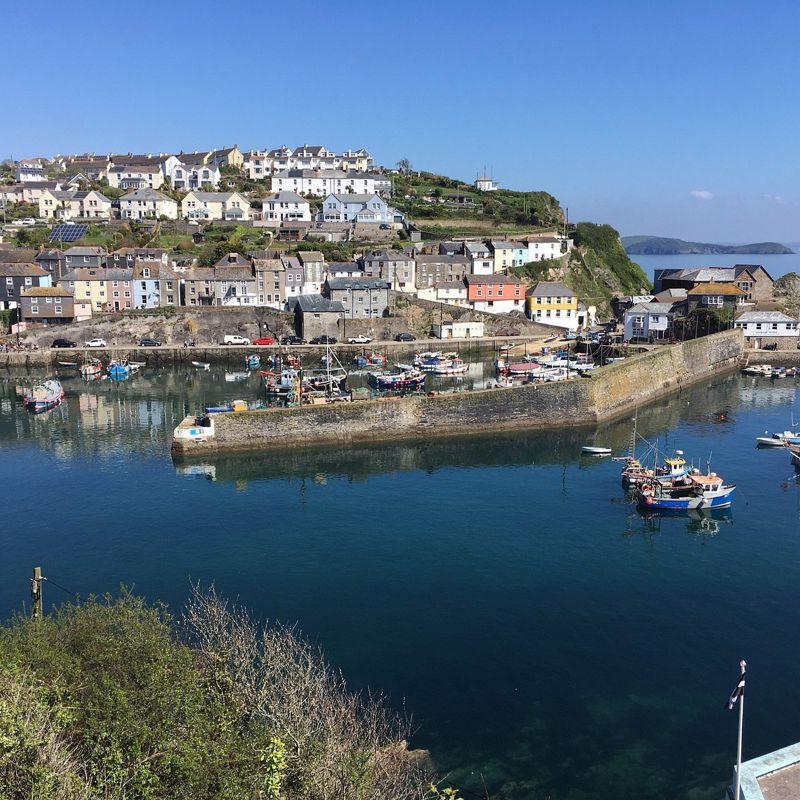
(645, 321)
(284, 206)
(768, 327)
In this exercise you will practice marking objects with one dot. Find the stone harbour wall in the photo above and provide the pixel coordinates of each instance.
(611, 391)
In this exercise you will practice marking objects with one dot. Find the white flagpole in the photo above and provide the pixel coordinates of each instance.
(737, 795)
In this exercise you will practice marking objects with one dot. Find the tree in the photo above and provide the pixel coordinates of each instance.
(404, 165)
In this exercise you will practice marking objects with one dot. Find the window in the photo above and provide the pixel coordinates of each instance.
(58, 310)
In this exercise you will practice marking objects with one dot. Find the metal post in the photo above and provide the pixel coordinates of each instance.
(36, 593)
(737, 795)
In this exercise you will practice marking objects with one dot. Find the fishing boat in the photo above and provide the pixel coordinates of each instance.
(91, 368)
(117, 370)
(634, 473)
(593, 450)
(43, 396)
(283, 383)
(201, 365)
(455, 366)
(135, 366)
(397, 381)
(68, 364)
(252, 361)
(332, 378)
(372, 360)
(692, 491)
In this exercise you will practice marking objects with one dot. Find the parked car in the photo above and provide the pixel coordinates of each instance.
(148, 342)
(264, 340)
(359, 340)
(405, 337)
(27, 221)
(95, 343)
(64, 343)
(292, 339)
(324, 339)
(234, 338)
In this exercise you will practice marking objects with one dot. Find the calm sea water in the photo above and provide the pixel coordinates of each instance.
(546, 638)
(775, 265)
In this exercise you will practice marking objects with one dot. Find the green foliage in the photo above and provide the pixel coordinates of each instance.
(32, 237)
(113, 699)
(273, 757)
(663, 246)
(603, 249)
(5, 320)
(14, 211)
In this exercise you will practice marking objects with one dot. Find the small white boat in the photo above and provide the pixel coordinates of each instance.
(592, 450)
(201, 365)
(778, 439)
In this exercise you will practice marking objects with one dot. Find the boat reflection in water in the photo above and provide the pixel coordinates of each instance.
(703, 521)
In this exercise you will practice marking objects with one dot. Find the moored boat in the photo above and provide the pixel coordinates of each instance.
(455, 366)
(201, 365)
(594, 450)
(43, 396)
(252, 361)
(91, 368)
(693, 491)
(118, 369)
(780, 439)
(397, 381)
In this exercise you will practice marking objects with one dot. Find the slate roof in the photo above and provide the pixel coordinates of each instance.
(550, 289)
(85, 251)
(650, 308)
(144, 194)
(343, 266)
(232, 260)
(764, 316)
(355, 284)
(9, 255)
(316, 303)
(310, 255)
(284, 196)
(484, 280)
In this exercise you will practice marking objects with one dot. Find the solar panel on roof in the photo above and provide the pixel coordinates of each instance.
(68, 233)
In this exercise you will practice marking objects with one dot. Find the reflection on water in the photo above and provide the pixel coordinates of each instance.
(549, 639)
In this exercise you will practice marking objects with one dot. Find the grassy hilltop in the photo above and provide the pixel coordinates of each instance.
(663, 246)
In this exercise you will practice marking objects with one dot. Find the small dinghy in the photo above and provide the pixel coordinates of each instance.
(778, 439)
(592, 450)
(201, 365)
(43, 397)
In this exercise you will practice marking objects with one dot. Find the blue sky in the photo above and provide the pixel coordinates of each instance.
(678, 119)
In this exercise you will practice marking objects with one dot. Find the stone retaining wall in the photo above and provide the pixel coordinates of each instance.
(610, 392)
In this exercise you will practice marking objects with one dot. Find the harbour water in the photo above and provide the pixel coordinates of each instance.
(547, 639)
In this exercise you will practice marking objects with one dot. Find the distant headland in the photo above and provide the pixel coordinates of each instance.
(662, 246)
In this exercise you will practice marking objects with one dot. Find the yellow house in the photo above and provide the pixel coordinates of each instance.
(552, 303)
(88, 286)
(503, 255)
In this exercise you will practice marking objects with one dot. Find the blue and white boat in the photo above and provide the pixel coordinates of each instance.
(692, 492)
(253, 361)
(118, 369)
(780, 439)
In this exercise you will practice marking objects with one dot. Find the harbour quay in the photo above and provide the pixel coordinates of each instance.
(611, 391)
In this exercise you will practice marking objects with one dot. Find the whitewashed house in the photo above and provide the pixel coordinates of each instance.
(147, 204)
(545, 247)
(480, 257)
(194, 174)
(199, 205)
(646, 321)
(453, 293)
(30, 171)
(769, 327)
(322, 182)
(284, 206)
(355, 208)
(135, 176)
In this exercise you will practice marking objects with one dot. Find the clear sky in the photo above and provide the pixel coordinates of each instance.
(669, 118)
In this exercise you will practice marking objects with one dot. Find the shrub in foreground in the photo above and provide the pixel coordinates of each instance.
(116, 699)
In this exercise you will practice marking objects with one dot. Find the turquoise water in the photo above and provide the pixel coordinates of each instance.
(545, 638)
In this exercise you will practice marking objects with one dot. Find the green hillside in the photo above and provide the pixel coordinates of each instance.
(663, 246)
(597, 267)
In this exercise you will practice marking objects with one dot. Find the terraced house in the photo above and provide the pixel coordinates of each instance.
(495, 294)
(15, 277)
(103, 289)
(215, 206)
(74, 204)
(154, 285)
(47, 305)
(219, 286)
(553, 303)
(147, 204)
